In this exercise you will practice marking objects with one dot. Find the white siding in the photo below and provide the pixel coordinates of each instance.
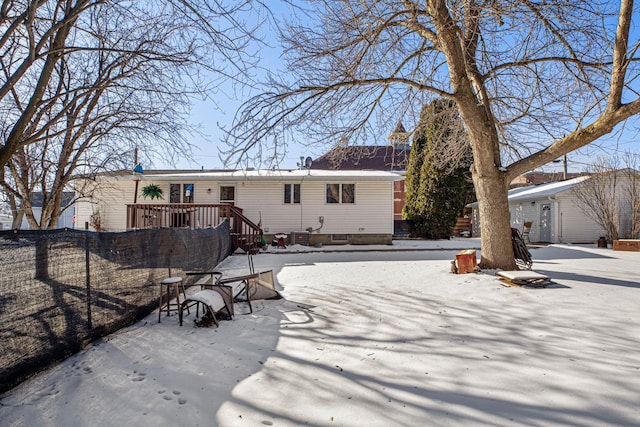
(519, 213)
(84, 210)
(575, 226)
(372, 212)
(568, 223)
(112, 206)
(109, 200)
(523, 212)
(475, 222)
(201, 193)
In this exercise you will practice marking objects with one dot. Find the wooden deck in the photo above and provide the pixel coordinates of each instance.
(244, 232)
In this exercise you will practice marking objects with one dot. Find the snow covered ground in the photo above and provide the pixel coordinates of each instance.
(371, 338)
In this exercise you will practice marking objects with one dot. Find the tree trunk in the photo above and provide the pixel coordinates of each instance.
(495, 223)
(17, 212)
(18, 215)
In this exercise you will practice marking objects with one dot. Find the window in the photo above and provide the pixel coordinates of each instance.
(333, 193)
(348, 193)
(292, 193)
(180, 193)
(341, 193)
(228, 194)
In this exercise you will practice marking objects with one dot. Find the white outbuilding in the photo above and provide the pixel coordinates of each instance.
(553, 211)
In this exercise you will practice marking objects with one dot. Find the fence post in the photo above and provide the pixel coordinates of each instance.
(87, 274)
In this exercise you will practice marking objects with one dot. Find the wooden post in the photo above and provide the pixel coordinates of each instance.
(87, 274)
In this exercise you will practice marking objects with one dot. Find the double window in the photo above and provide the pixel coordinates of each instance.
(292, 193)
(341, 193)
(180, 193)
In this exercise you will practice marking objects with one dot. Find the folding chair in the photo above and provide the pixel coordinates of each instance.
(526, 230)
(251, 286)
(217, 301)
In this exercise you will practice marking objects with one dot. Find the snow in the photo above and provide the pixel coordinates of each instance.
(280, 174)
(397, 245)
(540, 191)
(544, 190)
(371, 336)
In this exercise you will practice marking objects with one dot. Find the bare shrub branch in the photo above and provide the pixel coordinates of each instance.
(611, 197)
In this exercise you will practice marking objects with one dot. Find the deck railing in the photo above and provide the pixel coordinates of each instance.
(244, 232)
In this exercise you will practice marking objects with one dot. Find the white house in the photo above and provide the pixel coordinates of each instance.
(553, 211)
(64, 221)
(66, 217)
(328, 206)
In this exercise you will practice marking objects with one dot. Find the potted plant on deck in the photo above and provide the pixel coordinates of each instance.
(152, 191)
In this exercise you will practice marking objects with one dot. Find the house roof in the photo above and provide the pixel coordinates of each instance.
(542, 191)
(279, 175)
(536, 178)
(399, 128)
(371, 157)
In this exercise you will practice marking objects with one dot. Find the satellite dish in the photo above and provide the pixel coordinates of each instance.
(308, 162)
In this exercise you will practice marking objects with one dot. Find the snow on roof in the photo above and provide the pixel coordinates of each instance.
(542, 191)
(281, 174)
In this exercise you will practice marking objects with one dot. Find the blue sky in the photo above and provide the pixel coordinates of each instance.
(209, 116)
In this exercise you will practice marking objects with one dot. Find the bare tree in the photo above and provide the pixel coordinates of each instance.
(611, 196)
(86, 82)
(532, 81)
(632, 193)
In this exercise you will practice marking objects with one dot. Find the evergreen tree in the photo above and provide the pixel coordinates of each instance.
(437, 180)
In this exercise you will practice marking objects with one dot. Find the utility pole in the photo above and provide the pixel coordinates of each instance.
(564, 161)
(137, 176)
(137, 181)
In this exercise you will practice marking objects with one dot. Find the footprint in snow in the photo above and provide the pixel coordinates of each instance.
(139, 377)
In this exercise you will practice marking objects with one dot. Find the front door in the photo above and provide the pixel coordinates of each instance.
(545, 223)
(227, 195)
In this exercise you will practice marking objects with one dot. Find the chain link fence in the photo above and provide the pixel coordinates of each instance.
(60, 289)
